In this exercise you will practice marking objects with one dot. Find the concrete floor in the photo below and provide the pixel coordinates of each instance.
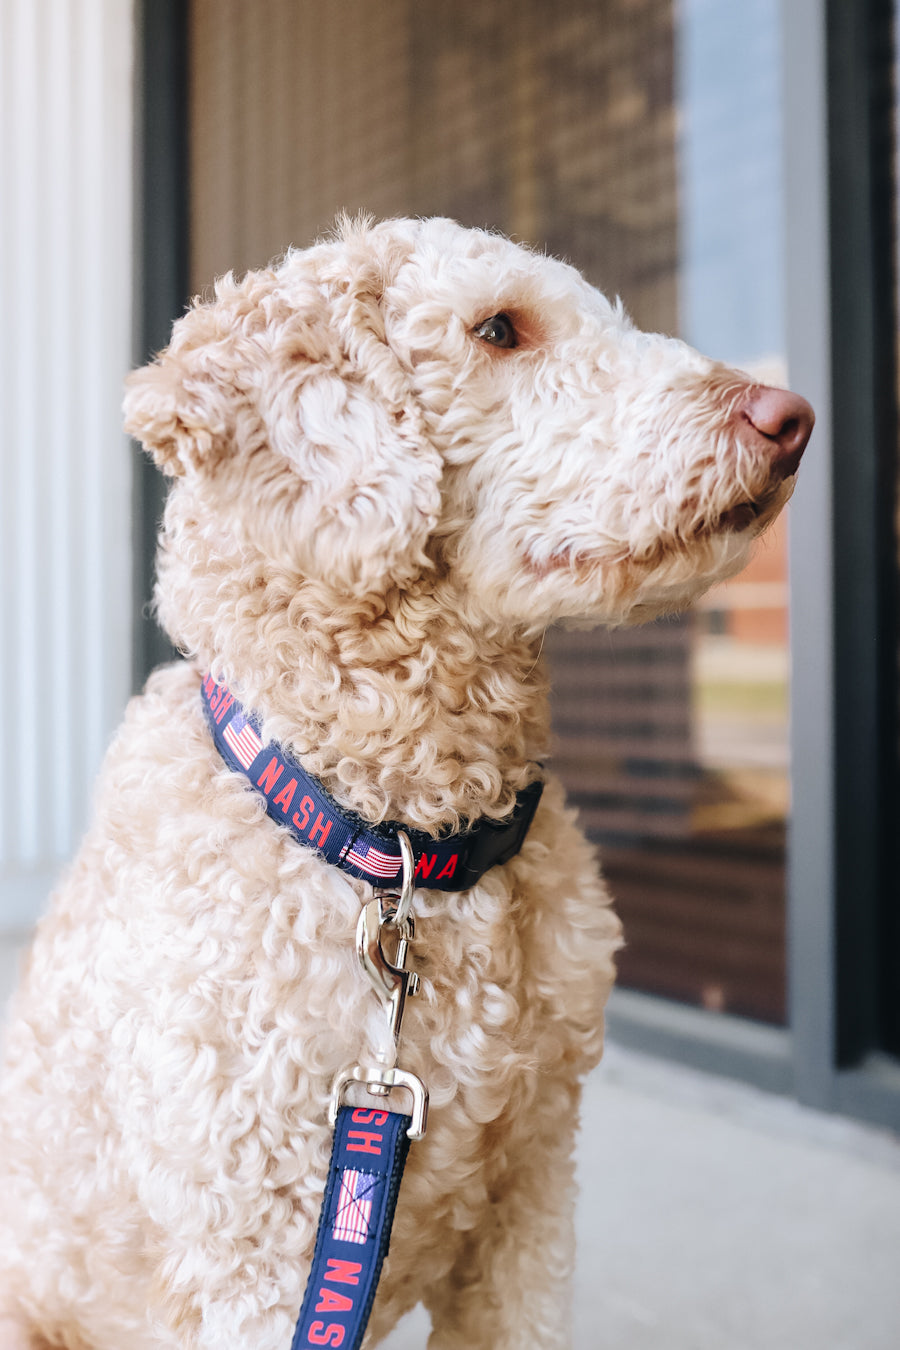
(715, 1217)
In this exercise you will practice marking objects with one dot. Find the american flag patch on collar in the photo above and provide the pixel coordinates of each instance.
(241, 737)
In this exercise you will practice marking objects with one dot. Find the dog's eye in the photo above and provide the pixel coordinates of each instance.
(498, 331)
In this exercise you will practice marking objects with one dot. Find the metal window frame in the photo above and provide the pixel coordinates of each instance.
(842, 855)
(841, 350)
(843, 707)
(161, 263)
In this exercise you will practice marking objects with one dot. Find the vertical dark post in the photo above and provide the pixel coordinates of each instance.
(886, 376)
(161, 262)
(865, 447)
(843, 926)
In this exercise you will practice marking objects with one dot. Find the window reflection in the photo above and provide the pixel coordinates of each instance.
(683, 775)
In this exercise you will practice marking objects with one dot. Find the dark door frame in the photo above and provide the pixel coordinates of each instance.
(161, 262)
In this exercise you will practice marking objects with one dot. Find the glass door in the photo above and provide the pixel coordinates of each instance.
(639, 139)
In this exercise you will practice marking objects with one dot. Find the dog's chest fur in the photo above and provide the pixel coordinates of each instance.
(214, 966)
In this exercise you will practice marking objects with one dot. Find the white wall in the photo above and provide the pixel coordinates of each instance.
(65, 479)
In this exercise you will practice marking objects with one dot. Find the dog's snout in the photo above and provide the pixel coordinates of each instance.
(784, 419)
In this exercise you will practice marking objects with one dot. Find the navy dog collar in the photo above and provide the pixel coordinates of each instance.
(299, 802)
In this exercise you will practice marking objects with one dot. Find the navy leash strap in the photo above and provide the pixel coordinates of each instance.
(370, 1148)
(370, 1145)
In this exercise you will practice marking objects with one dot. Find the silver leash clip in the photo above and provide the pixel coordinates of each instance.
(388, 916)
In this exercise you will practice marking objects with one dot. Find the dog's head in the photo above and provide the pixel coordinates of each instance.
(413, 401)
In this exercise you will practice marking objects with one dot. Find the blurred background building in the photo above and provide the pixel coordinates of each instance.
(729, 171)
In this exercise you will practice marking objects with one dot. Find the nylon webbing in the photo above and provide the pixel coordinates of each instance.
(297, 800)
(367, 1159)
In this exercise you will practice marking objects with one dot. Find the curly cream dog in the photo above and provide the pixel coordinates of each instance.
(397, 458)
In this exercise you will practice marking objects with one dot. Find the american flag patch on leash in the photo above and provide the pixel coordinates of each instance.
(354, 1208)
(358, 1209)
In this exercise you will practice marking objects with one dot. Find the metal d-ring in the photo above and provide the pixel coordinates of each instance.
(389, 978)
(379, 1082)
(404, 897)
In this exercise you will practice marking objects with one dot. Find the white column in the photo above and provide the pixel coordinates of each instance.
(65, 481)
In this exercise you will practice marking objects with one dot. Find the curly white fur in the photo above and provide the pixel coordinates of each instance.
(374, 517)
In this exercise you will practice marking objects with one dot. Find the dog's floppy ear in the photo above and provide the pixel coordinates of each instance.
(297, 359)
(185, 407)
(367, 477)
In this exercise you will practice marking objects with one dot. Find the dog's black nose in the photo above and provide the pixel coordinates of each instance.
(784, 419)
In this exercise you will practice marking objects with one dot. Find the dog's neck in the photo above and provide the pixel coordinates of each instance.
(402, 709)
(407, 718)
(403, 715)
